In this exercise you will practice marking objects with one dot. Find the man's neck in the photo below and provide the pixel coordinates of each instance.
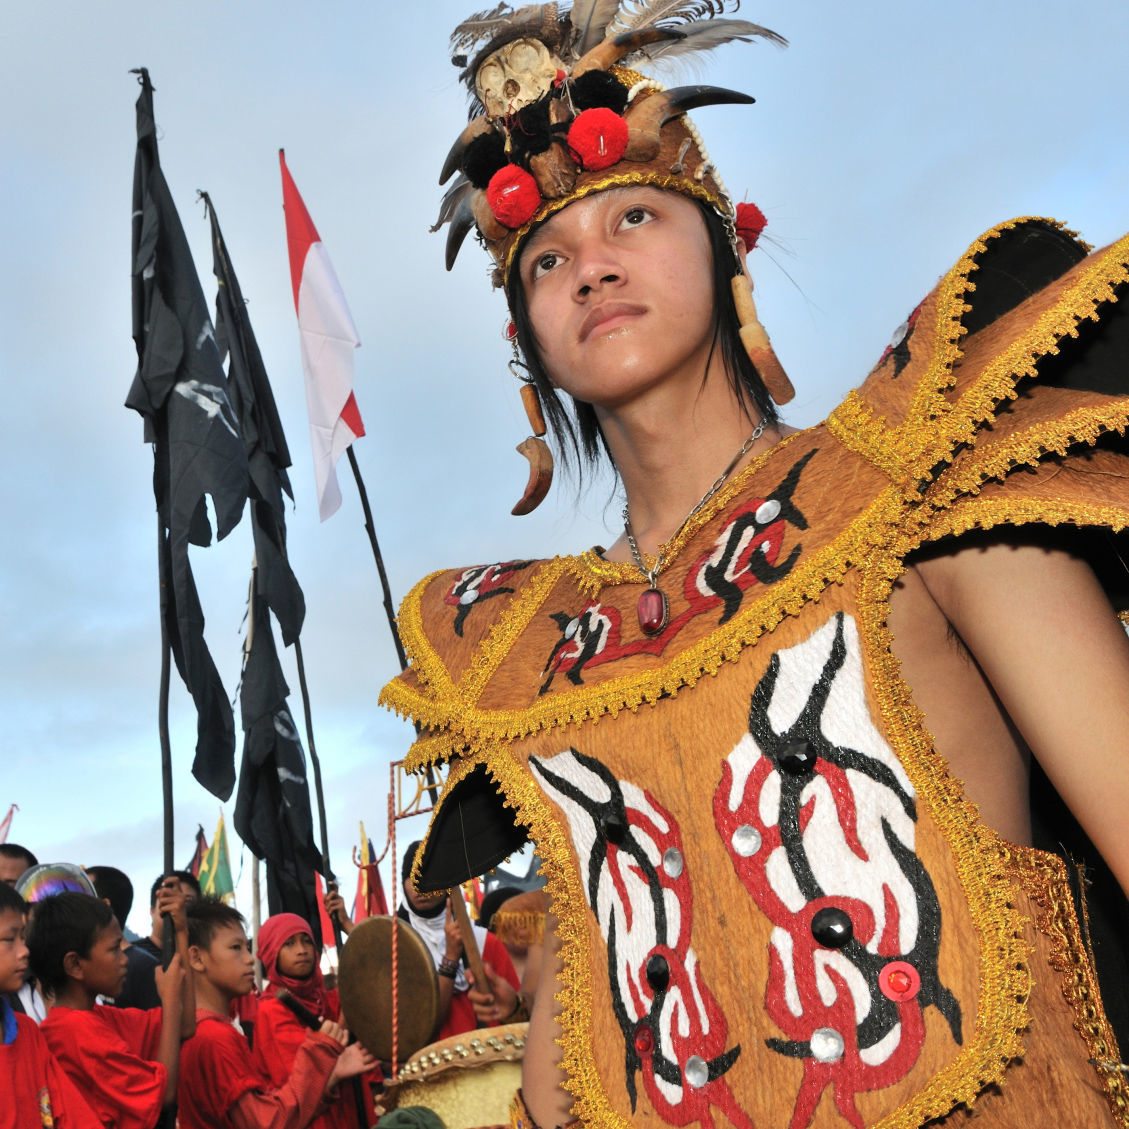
(75, 994)
(211, 998)
(669, 453)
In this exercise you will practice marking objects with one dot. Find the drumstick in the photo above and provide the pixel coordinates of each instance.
(300, 1012)
(470, 943)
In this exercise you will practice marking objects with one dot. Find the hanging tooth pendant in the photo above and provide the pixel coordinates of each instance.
(653, 611)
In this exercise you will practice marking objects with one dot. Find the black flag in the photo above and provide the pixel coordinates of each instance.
(181, 391)
(264, 441)
(272, 807)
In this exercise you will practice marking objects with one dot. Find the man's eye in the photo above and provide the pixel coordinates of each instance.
(633, 217)
(545, 263)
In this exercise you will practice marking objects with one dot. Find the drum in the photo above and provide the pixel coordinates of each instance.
(364, 979)
(468, 1080)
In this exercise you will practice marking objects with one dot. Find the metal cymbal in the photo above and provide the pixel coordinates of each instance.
(364, 978)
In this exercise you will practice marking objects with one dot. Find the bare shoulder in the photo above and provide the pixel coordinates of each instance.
(1043, 633)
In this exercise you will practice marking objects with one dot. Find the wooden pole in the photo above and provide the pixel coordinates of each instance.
(168, 929)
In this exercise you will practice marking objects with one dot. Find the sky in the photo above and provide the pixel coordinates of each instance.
(886, 138)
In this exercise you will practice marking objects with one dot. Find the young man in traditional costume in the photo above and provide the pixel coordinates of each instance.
(773, 744)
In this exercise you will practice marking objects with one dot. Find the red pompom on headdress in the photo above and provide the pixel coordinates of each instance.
(750, 223)
(598, 138)
(513, 196)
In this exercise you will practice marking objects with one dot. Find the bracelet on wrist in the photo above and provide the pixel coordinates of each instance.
(448, 968)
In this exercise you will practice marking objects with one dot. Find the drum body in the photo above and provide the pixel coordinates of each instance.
(469, 1079)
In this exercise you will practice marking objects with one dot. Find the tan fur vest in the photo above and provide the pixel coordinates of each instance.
(776, 905)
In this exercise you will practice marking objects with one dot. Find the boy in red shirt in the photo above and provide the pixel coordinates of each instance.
(219, 1084)
(36, 1091)
(123, 1060)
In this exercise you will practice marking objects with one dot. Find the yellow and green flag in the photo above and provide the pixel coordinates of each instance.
(215, 870)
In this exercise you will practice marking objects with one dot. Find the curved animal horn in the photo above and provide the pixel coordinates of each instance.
(682, 99)
(461, 222)
(608, 53)
(540, 459)
(476, 127)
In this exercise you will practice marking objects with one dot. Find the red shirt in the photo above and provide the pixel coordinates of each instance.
(221, 1086)
(110, 1054)
(35, 1088)
(461, 1017)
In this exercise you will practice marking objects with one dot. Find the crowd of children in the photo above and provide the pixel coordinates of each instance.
(74, 1053)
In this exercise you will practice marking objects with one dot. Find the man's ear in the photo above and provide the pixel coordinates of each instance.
(72, 966)
(196, 958)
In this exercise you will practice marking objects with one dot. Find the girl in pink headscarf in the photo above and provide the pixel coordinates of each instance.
(289, 957)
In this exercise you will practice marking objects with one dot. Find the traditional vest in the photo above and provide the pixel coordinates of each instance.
(776, 905)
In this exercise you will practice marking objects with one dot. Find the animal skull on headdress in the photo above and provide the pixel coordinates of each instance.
(515, 75)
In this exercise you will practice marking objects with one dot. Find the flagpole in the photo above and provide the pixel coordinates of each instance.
(256, 917)
(168, 929)
(389, 608)
(318, 790)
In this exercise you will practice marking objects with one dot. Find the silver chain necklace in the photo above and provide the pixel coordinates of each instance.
(653, 607)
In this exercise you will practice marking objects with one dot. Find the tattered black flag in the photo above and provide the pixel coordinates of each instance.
(181, 390)
(272, 809)
(264, 441)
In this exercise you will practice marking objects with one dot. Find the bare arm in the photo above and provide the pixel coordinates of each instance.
(170, 900)
(1043, 632)
(170, 987)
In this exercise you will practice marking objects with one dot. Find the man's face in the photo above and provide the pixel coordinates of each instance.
(13, 951)
(619, 287)
(423, 903)
(226, 962)
(11, 869)
(103, 970)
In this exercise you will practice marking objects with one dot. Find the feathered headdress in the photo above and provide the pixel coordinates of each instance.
(559, 111)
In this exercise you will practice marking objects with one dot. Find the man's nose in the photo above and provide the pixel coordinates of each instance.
(597, 267)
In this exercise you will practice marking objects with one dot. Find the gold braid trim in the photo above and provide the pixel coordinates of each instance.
(565, 890)
(787, 597)
(1001, 1012)
(1083, 426)
(860, 429)
(513, 927)
(1043, 877)
(592, 572)
(425, 660)
(687, 186)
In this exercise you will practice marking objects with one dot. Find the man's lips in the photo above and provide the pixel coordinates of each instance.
(599, 316)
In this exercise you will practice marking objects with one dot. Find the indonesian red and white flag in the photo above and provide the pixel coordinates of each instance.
(328, 340)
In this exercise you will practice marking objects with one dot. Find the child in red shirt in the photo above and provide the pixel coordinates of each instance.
(289, 957)
(219, 1083)
(123, 1060)
(36, 1091)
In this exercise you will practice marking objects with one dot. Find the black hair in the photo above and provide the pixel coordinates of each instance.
(409, 860)
(207, 916)
(185, 876)
(493, 901)
(113, 885)
(10, 901)
(15, 851)
(577, 433)
(61, 924)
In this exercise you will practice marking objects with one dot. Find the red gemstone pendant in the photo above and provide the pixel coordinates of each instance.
(653, 610)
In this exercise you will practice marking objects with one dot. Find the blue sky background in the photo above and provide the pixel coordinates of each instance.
(885, 139)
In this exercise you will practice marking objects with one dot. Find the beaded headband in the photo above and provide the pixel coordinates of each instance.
(558, 113)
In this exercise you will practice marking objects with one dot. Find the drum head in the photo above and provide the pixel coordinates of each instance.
(364, 979)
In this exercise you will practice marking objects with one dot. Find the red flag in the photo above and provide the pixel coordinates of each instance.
(6, 825)
(328, 940)
(193, 867)
(370, 900)
(329, 338)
